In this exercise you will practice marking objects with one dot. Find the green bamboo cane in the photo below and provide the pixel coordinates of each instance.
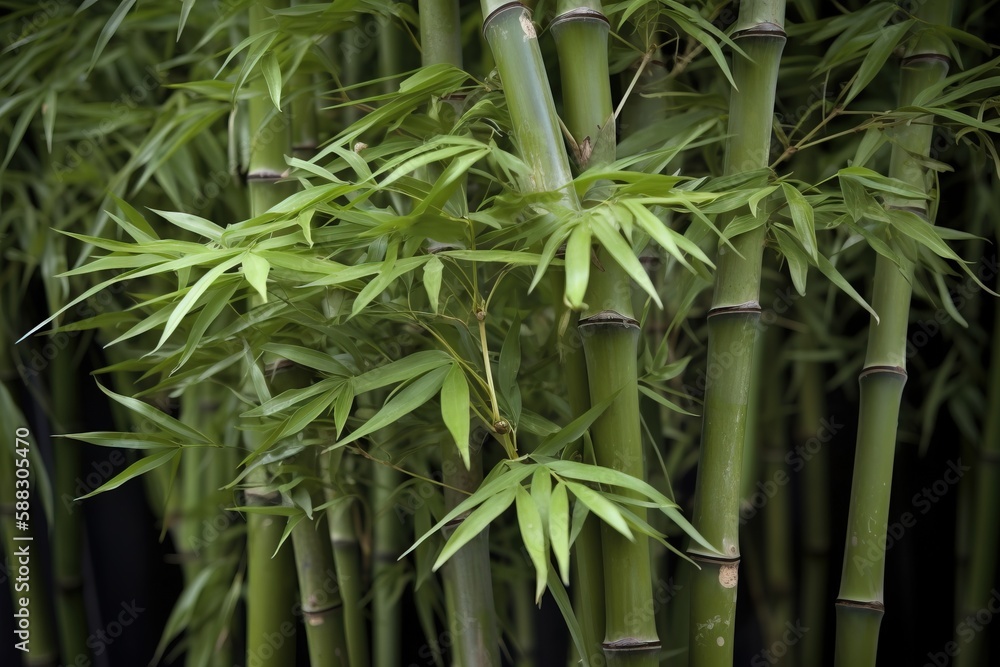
(777, 513)
(346, 554)
(270, 570)
(646, 105)
(985, 517)
(588, 557)
(860, 602)
(610, 335)
(67, 552)
(387, 542)
(467, 576)
(387, 529)
(732, 327)
(815, 506)
(467, 579)
(322, 608)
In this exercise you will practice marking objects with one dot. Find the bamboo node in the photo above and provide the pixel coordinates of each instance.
(748, 308)
(607, 317)
(579, 14)
(888, 370)
(858, 604)
(631, 644)
(499, 10)
(763, 29)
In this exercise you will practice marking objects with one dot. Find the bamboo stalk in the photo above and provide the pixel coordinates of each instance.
(816, 506)
(732, 328)
(777, 513)
(322, 606)
(467, 580)
(270, 594)
(387, 541)
(860, 603)
(467, 575)
(610, 335)
(68, 539)
(984, 543)
(346, 555)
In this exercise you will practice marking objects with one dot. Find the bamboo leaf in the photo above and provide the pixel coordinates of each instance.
(572, 624)
(574, 430)
(409, 367)
(602, 507)
(433, 271)
(803, 219)
(320, 361)
(559, 529)
(185, 12)
(831, 272)
(496, 482)
(127, 440)
(798, 261)
(533, 535)
(403, 403)
(476, 523)
(272, 77)
(193, 223)
(620, 251)
(510, 363)
(195, 293)
(455, 409)
(109, 30)
(49, 116)
(578, 254)
(255, 269)
(662, 400)
(143, 465)
(164, 421)
(878, 53)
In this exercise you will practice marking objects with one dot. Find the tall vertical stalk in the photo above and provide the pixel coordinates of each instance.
(271, 594)
(985, 508)
(860, 602)
(816, 506)
(610, 335)
(68, 538)
(346, 554)
(322, 608)
(732, 325)
(387, 542)
(467, 577)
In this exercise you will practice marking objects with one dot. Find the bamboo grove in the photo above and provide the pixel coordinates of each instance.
(501, 333)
